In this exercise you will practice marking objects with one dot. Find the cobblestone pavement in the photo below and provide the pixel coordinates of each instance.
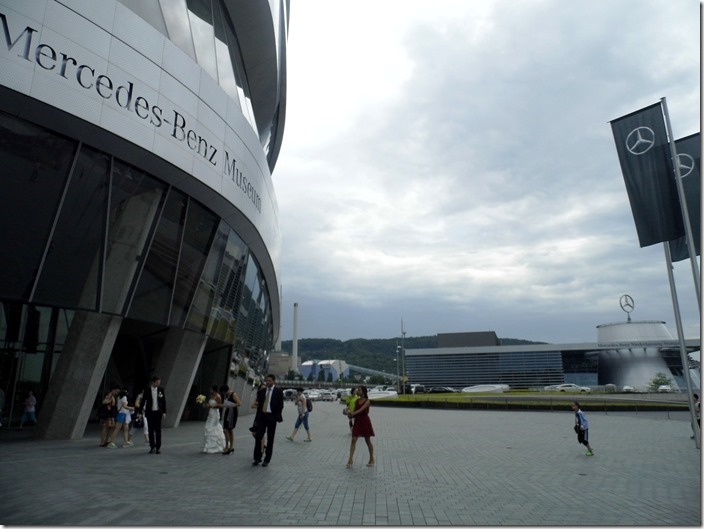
(434, 467)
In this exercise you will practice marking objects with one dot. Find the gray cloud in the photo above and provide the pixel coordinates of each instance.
(484, 192)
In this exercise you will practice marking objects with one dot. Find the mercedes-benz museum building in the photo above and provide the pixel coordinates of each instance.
(138, 219)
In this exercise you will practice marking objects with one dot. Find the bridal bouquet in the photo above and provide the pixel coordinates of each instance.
(200, 399)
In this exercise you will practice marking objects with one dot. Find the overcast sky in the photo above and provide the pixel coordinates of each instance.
(451, 164)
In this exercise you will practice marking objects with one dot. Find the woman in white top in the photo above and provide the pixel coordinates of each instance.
(122, 422)
(302, 416)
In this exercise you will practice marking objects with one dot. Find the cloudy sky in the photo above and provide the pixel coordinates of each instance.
(451, 164)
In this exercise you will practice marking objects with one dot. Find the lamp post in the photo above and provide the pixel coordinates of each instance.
(398, 380)
(403, 358)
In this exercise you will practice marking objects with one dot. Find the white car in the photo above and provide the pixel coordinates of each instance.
(312, 394)
(571, 388)
(628, 389)
(486, 388)
(665, 388)
(326, 395)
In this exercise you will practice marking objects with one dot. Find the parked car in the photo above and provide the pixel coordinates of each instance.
(313, 394)
(441, 389)
(628, 389)
(665, 388)
(486, 388)
(417, 388)
(571, 388)
(326, 395)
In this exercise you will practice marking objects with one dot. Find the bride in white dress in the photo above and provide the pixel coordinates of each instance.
(214, 439)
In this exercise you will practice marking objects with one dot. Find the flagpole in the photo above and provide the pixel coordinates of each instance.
(683, 207)
(680, 336)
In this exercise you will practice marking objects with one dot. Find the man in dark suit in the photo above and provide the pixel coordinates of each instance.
(154, 410)
(270, 404)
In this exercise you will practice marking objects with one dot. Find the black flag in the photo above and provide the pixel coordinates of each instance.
(689, 153)
(646, 164)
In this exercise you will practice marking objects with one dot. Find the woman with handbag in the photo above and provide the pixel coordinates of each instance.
(106, 413)
(138, 418)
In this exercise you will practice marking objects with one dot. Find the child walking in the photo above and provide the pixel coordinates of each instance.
(581, 426)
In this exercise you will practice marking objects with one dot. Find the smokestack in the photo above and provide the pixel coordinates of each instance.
(294, 354)
(281, 303)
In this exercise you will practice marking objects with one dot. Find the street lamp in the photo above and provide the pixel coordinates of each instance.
(403, 358)
(398, 380)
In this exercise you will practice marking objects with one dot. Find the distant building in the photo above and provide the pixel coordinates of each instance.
(328, 367)
(626, 354)
(280, 364)
(468, 339)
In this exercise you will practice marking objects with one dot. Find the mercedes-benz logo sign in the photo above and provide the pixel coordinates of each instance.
(640, 140)
(686, 164)
(627, 304)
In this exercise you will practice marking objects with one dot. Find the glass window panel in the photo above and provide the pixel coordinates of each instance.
(134, 203)
(72, 266)
(225, 33)
(150, 11)
(201, 17)
(152, 299)
(35, 165)
(227, 79)
(201, 225)
(223, 322)
(178, 26)
(207, 286)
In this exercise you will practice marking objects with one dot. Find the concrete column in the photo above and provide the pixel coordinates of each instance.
(177, 364)
(76, 379)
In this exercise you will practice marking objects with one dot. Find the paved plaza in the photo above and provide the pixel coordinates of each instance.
(434, 467)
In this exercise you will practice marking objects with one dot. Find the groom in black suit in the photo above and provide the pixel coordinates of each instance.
(154, 410)
(270, 404)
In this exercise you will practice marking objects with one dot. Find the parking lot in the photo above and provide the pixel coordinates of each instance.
(434, 467)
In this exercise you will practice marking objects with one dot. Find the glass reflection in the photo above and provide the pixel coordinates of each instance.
(71, 271)
(135, 199)
(152, 299)
(198, 236)
(36, 164)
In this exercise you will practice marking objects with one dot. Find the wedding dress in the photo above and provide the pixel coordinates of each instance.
(214, 440)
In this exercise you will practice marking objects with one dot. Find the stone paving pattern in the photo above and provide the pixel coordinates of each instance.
(434, 467)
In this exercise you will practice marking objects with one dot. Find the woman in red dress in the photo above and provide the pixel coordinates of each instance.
(362, 426)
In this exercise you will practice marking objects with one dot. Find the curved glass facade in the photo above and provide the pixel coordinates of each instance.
(138, 215)
(205, 31)
(86, 231)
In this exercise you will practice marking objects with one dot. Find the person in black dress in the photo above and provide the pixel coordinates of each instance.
(230, 402)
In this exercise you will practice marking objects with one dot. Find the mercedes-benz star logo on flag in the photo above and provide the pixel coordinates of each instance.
(627, 303)
(686, 164)
(640, 140)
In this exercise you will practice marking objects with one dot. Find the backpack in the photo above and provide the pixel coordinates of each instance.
(309, 405)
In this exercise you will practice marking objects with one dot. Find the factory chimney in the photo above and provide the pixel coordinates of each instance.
(294, 352)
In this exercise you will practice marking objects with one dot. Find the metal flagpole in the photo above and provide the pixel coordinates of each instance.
(680, 336)
(683, 206)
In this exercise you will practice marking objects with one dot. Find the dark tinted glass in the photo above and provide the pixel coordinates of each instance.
(152, 299)
(199, 313)
(197, 238)
(135, 198)
(71, 271)
(224, 316)
(35, 165)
